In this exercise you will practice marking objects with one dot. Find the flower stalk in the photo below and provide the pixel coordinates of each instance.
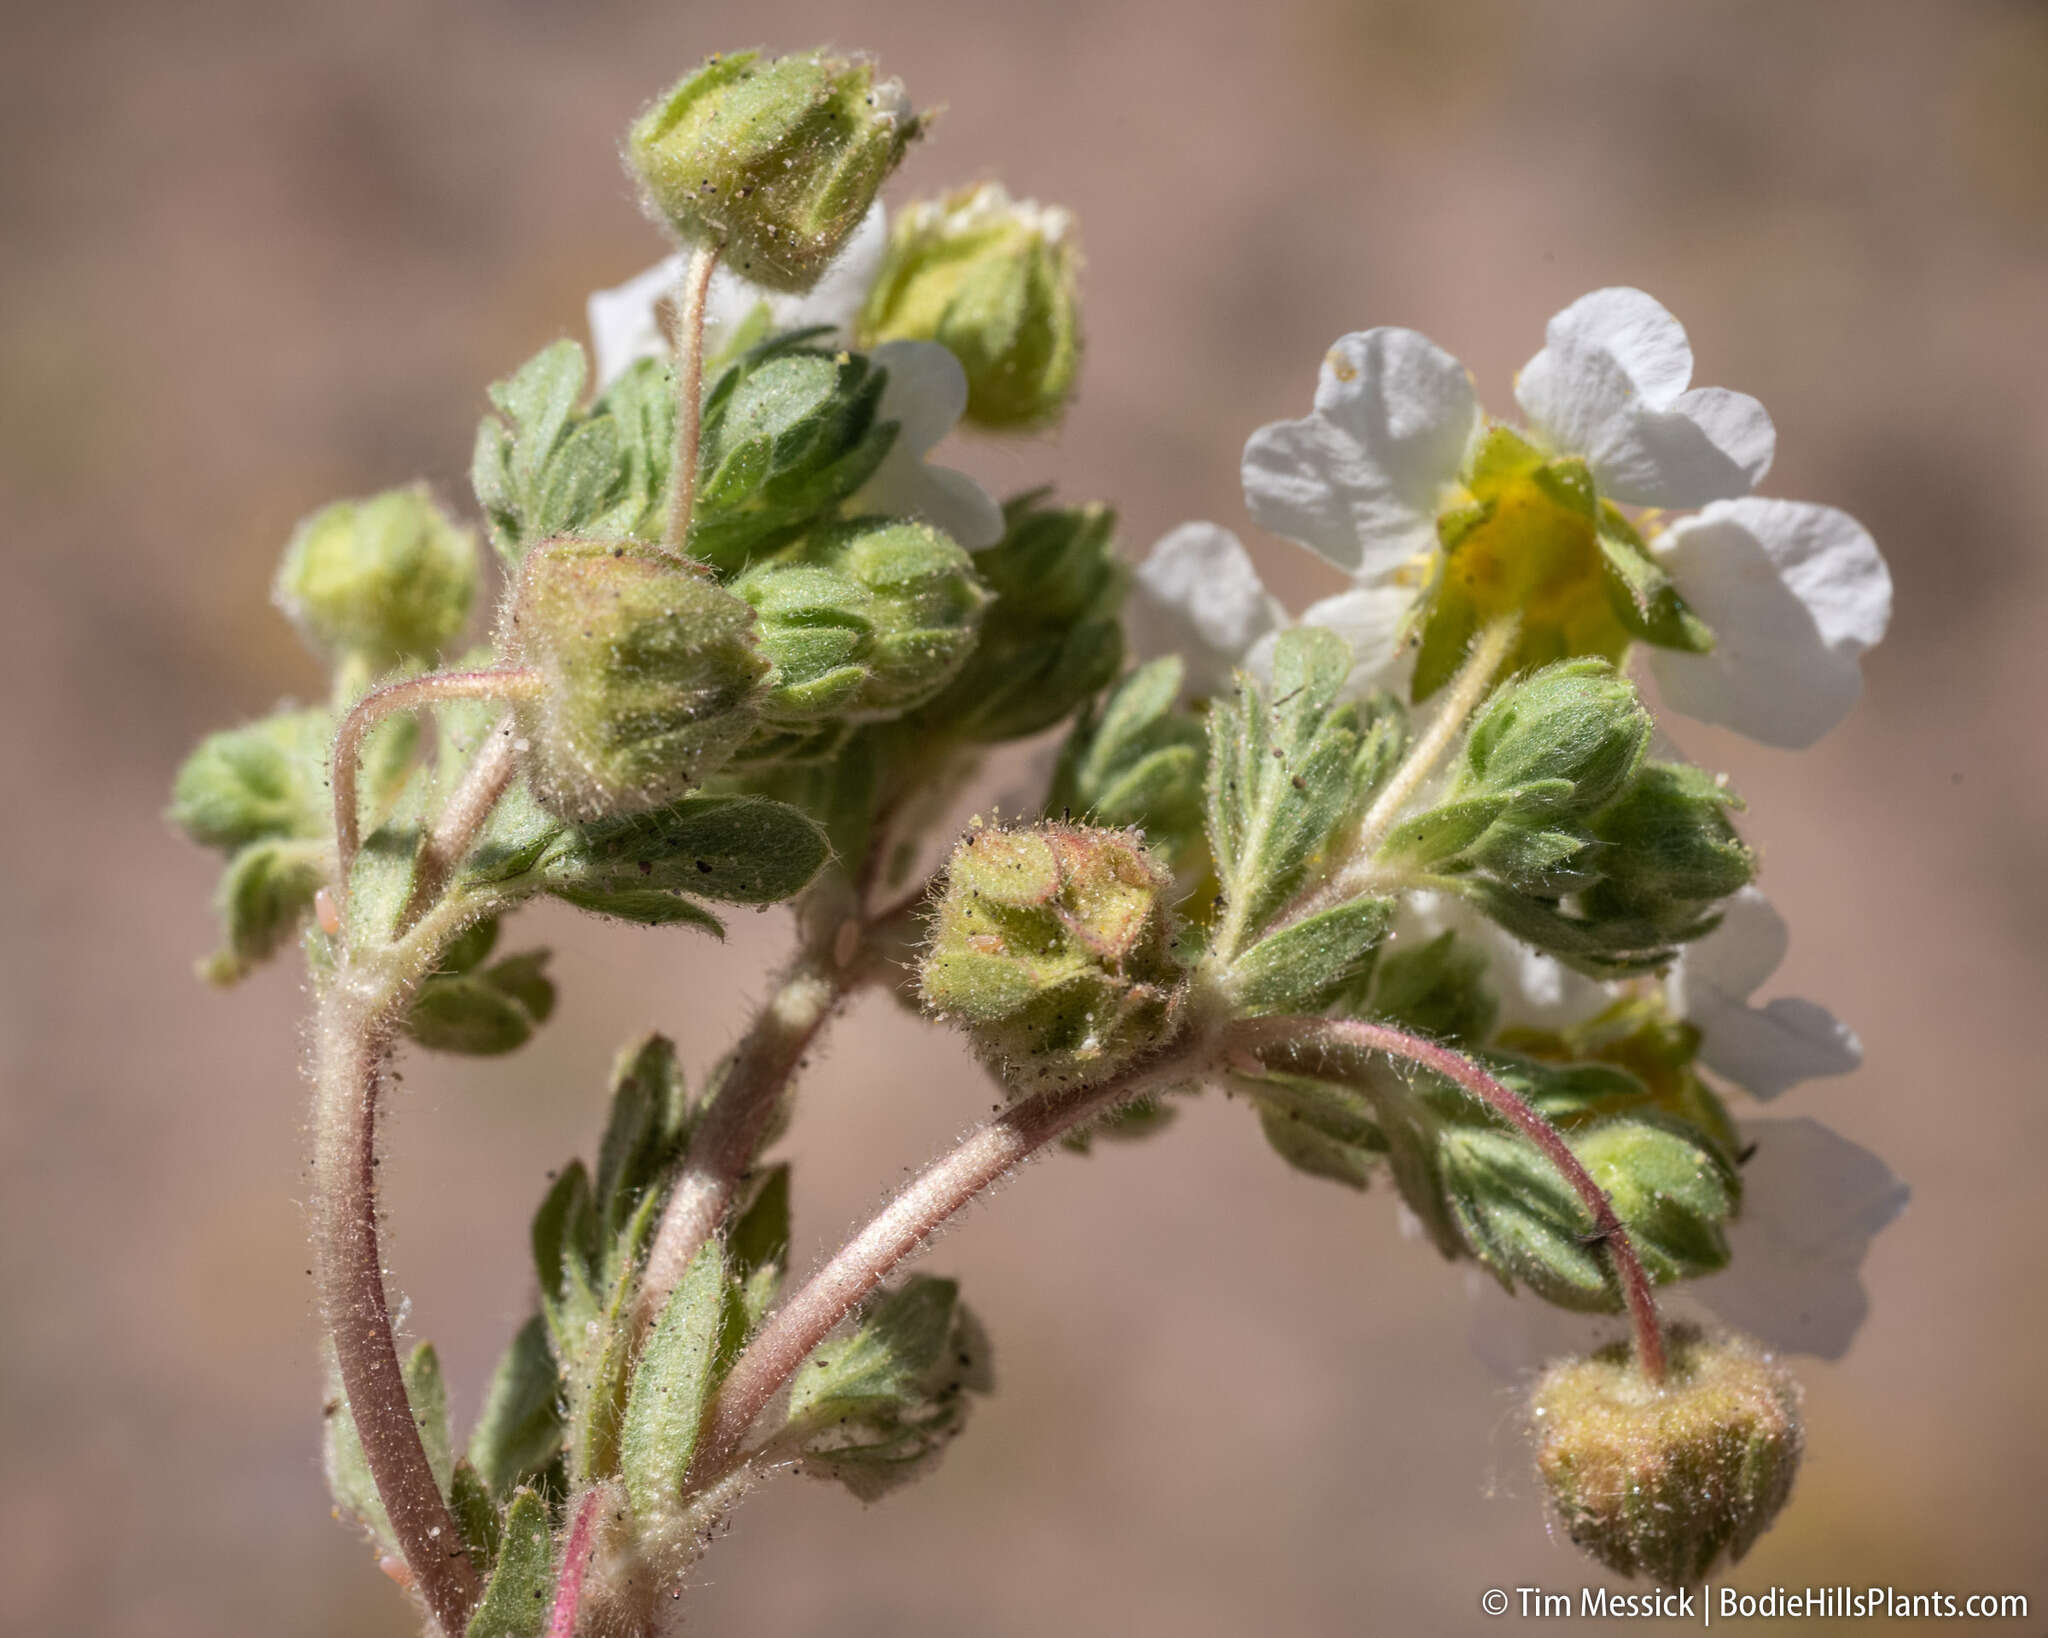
(688, 342)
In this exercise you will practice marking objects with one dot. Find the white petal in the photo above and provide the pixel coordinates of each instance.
(1609, 384)
(1199, 596)
(1360, 479)
(1794, 594)
(1737, 956)
(1812, 1202)
(623, 328)
(925, 395)
(906, 486)
(1370, 619)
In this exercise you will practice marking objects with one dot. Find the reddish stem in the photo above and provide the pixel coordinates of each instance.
(1460, 1070)
(577, 1553)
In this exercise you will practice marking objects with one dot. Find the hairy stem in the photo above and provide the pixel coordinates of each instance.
(373, 708)
(489, 774)
(689, 354)
(1357, 1035)
(995, 1149)
(354, 1041)
(576, 1556)
(729, 1131)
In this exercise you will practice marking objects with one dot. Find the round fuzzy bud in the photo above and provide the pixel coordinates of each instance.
(776, 160)
(866, 620)
(389, 578)
(993, 280)
(1663, 1479)
(1053, 948)
(649, 675)
(1571, 737)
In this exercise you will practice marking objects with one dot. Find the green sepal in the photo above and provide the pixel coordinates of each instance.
(1564, 741)
(1279, 783)
(734, 849)
(757, 1258)
(875, 1408)
(476, 1516)
(1136, 762)
(1437, 989)
(518, 1434)
(520, 1593)
(483, 1014)
(348, 1469)
(1320, 1128)
(671, 1384)
(1520, 1218)
(1311, 963)
(264, 894)
(1642, 595)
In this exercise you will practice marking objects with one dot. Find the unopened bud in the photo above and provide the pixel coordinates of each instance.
(389, 578)
(1664, 1480)
(649, 675)
(774, 159)
(1053, 948)
(870, 619)
(1578, 727)
(994, 281)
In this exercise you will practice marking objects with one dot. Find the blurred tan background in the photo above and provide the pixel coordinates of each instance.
(260, 253)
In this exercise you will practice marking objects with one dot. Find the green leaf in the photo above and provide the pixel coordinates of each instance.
(1320, 1128)
(874, 1409)
(1437, 989)
(519, 1432)
(266, 891)
(483, 1014)
(1440, 834)
(476, 1516)
(1136, 762)
(671, 1386)
(1310, 964)
(757, 1257)
(734, 849)
(1280, 780)
(647, 1131)
(520, 1593)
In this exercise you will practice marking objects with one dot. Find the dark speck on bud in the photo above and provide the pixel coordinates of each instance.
(1666, 1480)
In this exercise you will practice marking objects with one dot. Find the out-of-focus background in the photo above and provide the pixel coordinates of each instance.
(259, 255)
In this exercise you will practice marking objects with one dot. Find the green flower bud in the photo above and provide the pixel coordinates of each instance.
(872, 618)
(649, 675)
(774, 159)
(1576, 729)
(993, 280)
(1051, 638)
(1053, 948)
(389, 578)
(1663, 1479)
(1670, 851)
(263, 781)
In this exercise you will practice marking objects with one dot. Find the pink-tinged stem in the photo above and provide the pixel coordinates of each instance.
(373, 708)
(1357, 1035)
(576, 1556)
(905, 1224)
(490, 772)
(689, 353)
(350, 1270)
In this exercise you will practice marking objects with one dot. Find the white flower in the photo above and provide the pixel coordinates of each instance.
(1793, 593)
(1200, 596)
(625, 325)
(925, 395)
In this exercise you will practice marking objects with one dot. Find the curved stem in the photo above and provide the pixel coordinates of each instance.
(1357, 1035)
(995, 1149)
(354, 1039)
(729, 1131)
(489, 774)
(689, 353)
(373, 708)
